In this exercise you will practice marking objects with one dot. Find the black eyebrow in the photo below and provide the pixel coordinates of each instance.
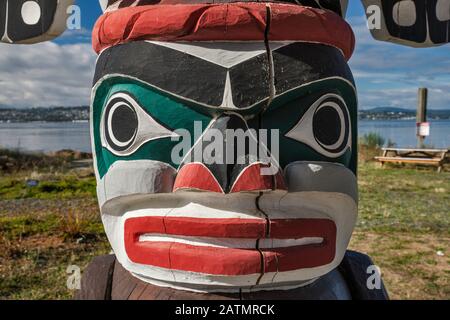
(203, 82)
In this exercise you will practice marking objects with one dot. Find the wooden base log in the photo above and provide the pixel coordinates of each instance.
(106, 279)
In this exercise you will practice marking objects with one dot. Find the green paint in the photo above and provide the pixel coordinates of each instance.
(167, 111)
(283, 113)
(286, 110)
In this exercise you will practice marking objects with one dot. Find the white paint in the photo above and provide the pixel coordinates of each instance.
(5, 38)
(443, 10)
(338, 207)
(185, 204)
(148, 128)
(332, 177)
(228, 289)
(225, 54)
(31, 12)
(303, 130)
(238, 243)
(404, 13)
(103, 4)
(315, 167)
(114, 75)
(227, 101)
(125, 178)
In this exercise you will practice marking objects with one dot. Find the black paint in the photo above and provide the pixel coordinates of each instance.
(2, 17)
(18, 30)
(203, 82)
(439, 30)
(301, 63)
(417, 32)
(124, 124)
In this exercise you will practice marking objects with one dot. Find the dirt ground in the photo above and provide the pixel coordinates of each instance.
(403, 224)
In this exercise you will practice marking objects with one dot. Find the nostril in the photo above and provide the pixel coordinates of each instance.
(196, 176)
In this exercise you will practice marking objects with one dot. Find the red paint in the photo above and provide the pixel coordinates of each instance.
(213, 260)
(291, 228)
(196, 176)
(251, 179)
(223, 22)
(198, 227)
(229, 261)
(308, 256)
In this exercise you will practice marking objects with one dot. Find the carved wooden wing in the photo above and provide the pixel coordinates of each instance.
(416, 23)
(26, 21)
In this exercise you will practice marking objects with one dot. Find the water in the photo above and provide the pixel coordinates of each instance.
(403, 132)
(45, 137)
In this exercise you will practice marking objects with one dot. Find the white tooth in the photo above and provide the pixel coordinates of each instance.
(285, 243)
(230, 242)
(200, 241)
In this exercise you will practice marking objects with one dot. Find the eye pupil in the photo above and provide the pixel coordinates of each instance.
(327, 126)
(124, 123)
(121, 123)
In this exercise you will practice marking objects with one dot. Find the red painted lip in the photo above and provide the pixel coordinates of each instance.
(229, 261)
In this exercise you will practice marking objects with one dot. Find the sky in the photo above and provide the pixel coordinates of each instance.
(59, 73)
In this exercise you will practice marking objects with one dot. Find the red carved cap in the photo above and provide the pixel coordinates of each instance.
(238, 21)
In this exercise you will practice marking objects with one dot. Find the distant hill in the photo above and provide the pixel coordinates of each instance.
(51, 114)
(81, 113)
(392, 113)
(389, 109)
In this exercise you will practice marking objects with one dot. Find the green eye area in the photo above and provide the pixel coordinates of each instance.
(317, 122)
(133, 121)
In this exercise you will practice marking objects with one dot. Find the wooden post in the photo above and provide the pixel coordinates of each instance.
(422, 113)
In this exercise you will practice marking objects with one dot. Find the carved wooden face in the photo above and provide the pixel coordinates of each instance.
(217, 221)
(226, 153)
(192, 192)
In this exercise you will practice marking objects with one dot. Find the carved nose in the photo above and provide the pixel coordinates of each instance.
(233, 166)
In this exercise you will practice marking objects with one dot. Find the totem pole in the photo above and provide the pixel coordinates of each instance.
(190, 213)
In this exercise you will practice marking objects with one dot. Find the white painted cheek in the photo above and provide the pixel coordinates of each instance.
(404, 13)
(31, 12)
(443, 10)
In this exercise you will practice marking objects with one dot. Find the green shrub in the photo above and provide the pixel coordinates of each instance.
(373, 140)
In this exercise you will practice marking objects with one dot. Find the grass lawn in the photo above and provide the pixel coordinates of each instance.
(404, 225)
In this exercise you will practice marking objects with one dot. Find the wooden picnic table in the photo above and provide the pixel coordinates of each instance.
(436, 157)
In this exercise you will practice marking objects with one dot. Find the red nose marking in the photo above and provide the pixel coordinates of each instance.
(252, 179)
(196, 176)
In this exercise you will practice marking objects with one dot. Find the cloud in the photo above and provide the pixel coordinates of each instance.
(389, 74)
(60, 73)
(82, 35)
(46, 74)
